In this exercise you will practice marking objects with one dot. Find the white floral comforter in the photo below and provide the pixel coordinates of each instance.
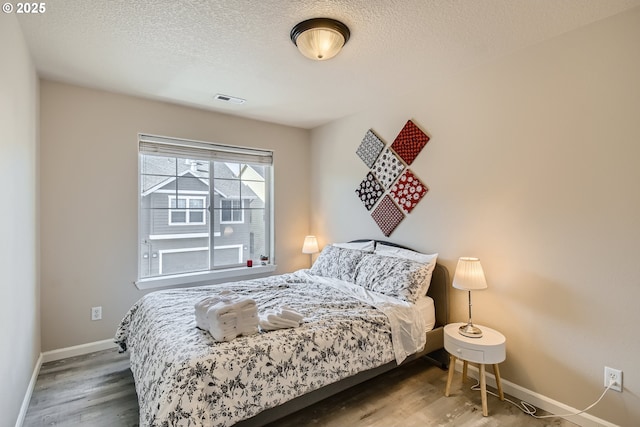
(184, 378)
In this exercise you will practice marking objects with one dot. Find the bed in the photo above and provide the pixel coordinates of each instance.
(184, 377)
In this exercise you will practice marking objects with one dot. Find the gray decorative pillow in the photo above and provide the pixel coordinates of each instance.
(395, 277)
(338, 263)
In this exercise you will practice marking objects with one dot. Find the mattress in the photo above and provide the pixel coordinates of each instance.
(427, 311)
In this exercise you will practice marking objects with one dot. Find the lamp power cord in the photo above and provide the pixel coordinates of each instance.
(529, 409)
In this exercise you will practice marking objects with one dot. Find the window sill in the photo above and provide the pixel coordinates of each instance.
(204, 278)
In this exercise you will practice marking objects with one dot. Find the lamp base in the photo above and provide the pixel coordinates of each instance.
(470, 331)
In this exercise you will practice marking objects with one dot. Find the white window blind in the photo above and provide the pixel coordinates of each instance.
(172, 147)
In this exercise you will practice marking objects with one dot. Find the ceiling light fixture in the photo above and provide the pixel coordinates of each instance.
(320, 38)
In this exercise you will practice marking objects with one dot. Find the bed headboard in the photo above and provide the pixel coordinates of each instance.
(438, 290)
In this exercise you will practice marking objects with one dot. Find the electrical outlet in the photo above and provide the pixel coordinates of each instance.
(96, 313)
(614, 375)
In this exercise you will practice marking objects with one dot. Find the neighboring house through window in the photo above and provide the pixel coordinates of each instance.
(231, 211)
(187, 210)
(204, 209)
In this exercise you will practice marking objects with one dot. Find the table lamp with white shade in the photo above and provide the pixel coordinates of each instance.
(310, 246)
(469, 277)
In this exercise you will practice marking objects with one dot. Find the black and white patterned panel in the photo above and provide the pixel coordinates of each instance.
(387, 168)
(370, 148)
(369, 191)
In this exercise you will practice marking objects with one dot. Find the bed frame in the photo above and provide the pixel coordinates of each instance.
(434, 351)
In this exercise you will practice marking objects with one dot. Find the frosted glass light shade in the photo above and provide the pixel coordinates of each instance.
(320, 38)
(469, 275)
(320, 43)
(310, 245)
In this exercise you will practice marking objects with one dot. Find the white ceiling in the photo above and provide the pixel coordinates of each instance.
(186, 51)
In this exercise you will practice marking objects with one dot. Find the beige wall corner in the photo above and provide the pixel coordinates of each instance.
(19, 288)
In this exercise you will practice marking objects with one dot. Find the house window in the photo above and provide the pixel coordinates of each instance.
(204, 210)
(231, 211)
(187, 210)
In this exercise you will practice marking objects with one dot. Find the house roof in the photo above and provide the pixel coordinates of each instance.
(159, 173)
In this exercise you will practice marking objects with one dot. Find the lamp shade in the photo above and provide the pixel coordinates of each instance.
(310, 245)
(320, 38)
(469, 275)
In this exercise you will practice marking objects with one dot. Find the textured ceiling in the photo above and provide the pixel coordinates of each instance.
(186, 51)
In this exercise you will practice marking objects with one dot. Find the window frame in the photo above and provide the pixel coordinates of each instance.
(180, 148)
(240, 209)
(187, 210)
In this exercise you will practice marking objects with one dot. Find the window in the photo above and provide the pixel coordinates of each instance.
(204, 210)
(231, 211)
(187, 210)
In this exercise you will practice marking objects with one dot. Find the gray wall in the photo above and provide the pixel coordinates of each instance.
(19, 288)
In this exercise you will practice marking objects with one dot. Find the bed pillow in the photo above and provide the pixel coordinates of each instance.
(400, 278)
(363, 246)
(338, 263)
(397, 252)
(386, 250)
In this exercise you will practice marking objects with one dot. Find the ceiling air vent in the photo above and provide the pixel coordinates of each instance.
(230, 99)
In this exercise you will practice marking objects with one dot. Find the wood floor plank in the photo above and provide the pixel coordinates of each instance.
(91, 390)
(98, 390)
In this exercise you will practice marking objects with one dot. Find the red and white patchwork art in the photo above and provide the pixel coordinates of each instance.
(409, 142)
(387, 215)
(390, 187)
(407, 191)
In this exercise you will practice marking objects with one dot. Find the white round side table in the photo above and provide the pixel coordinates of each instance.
(490, 349)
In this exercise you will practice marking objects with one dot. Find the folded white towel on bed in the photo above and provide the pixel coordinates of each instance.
(224, 327)
(281, 318)
(290, 314)
(245, 304)
(267, 325)
(247, 316)
(220, 309)
(202, 306)
(248, 320)
(226, 316)
(281, 321)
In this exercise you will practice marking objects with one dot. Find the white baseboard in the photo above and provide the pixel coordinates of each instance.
(29, 392)
(53, 355)
(77, 350)
(539, 401)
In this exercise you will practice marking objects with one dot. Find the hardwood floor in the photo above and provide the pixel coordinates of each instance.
(98, 390)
